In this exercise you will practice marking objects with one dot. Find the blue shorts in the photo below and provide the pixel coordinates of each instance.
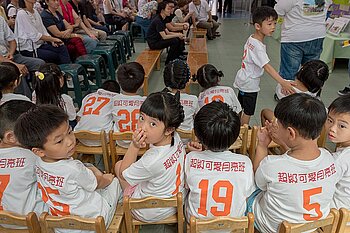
(250, 202)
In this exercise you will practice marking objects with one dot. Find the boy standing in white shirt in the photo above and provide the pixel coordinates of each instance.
(18, 189)
(338, 128)
(299, 185)
(255, 61)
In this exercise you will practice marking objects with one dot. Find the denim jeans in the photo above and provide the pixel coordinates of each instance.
(144, 23)
(295, 54)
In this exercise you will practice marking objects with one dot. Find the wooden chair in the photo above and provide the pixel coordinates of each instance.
(344, 220)
(321, 141)
(186, 134)
(241, 144)
(133, 225)
(326, 225)
(96, 136)
(244, 224)
(116, 151)
(48, 223)
(30, 221)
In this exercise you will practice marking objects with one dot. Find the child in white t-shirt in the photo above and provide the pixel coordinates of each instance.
(126, 109)
(176, 76)
(309, 80)
(255, 61)
(219, 181)
(159, 172)
(67, 186)
(299, 185)
(47, 85)
(338, 129)
(209, 77)
(9, 80)
(19, 190)
(96, 110)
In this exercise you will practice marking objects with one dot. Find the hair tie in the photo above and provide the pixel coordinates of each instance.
(39, 75)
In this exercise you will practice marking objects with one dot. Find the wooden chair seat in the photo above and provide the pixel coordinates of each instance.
(30, 221)
(149, 59)
(199, 33)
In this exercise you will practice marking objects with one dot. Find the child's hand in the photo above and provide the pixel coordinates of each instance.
(139, 138)
(194, 146)
(287, 87)
(108, 177)
(264, 138)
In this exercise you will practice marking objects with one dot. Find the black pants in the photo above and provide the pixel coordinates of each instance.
(176, 47)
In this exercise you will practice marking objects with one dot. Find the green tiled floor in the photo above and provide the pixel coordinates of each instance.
(226, 52)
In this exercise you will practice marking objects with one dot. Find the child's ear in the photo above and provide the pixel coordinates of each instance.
(10, 138)
(257, 26)
(38, 151)
(169, 131)
(292, 133)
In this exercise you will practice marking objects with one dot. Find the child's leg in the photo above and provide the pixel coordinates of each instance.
(248, 103)
(266, 115)
(122, 182)
(245, 119)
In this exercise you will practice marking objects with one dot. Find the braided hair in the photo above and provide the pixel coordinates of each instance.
(176, 74)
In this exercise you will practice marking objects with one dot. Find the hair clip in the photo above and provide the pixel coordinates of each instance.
(39, 75)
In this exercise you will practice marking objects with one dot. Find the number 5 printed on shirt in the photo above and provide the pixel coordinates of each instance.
(312, 206)
(45, 192)
(4, 181)
(91, 108)
(225, 200)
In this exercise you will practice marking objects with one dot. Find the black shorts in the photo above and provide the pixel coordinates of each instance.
(248, 101)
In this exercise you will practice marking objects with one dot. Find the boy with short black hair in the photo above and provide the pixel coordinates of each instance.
(215, 169)
(255, 61)
(297, 186)
(19, 192)
(338, 128)
(126, 108)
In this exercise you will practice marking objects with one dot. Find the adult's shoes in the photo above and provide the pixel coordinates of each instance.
(345, 91)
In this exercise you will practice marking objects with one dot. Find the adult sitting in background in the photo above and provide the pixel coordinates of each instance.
(60, 28)
(89, 38)
(90, 10)
(144, 15)
(201, 18)
(34, 40)
(78, 8)
(114, 15)
(159, 37)
(8, 53)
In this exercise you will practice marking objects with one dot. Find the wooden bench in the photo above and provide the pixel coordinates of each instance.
(149, 59)
(199, 33)
(197, 57)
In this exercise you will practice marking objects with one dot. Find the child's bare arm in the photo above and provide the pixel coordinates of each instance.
(138, 141)
(286, 86)
(103, 180)
(261, 150)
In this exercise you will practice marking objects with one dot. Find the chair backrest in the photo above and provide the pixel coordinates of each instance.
(153, 202)
(328, 224)
(186, 134)
(241, 144)
(321, 141)
(95, 136)
(48, 223)
(116, 151)
(30, 221)
(344, 220)
(245, 223)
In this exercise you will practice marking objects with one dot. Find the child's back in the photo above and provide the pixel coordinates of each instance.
(218, 180)
(19, 192)
(190, 106)
(209, 77)
(96, 111)
(127, 105)
(297, 186)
